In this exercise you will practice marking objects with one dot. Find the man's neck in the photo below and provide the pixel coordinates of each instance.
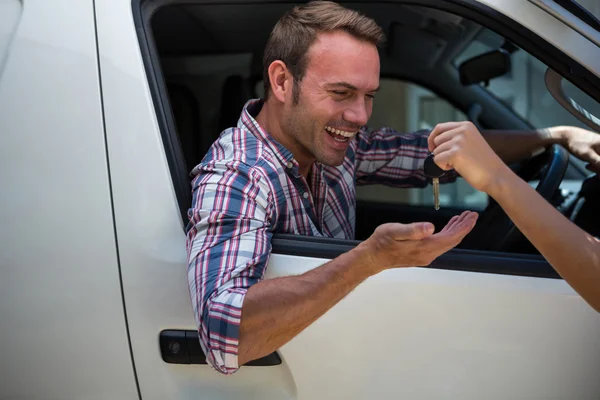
(269, 118)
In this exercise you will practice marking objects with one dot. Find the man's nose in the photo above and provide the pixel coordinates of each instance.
(358, 113)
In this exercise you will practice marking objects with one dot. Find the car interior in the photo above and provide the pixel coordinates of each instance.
(433, 61)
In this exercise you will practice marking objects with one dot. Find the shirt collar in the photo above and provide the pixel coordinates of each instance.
(247, 121)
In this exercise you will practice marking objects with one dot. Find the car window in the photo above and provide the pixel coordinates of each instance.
(524, 89)
(408, 107)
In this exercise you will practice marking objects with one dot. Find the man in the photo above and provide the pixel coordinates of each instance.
(290, 166)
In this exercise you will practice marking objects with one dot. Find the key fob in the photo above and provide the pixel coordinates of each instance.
(431, 169)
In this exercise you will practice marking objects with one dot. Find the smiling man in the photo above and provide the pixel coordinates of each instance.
(291, 166)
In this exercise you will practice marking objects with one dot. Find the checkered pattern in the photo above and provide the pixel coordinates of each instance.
(248, 187)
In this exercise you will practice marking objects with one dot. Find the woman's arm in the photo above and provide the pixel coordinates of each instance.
(573, 253)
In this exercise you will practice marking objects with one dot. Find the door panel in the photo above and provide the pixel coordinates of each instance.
(432, 333)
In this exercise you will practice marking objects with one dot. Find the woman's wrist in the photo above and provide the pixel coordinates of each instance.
(501, 183)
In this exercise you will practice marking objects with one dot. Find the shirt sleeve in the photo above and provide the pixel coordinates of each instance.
(228, 244)
(388, 157)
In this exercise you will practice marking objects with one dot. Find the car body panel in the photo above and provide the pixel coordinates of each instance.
(63, 325)
(431, 333)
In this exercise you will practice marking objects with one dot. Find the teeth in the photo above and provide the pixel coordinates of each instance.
(340, 132)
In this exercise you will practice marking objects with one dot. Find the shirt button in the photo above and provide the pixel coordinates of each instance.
(305, 195)
(289, 164)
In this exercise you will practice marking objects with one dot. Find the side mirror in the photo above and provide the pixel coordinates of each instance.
(484, 67)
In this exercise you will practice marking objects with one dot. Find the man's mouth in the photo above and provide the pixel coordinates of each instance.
(339, 135)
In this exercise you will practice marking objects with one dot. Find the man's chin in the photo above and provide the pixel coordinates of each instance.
(332, 161)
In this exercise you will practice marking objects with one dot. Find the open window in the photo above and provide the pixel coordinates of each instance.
(207, 64)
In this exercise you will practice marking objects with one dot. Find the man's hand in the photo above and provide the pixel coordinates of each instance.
(395, 245)
(460, 146)
(582, 143)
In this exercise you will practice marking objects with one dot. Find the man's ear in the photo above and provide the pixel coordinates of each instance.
(281, 80)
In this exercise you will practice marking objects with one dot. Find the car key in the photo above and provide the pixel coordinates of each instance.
(433, 171)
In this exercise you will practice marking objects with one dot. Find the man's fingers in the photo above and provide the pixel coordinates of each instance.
(459, 227)
(450, 223)
(456, 220)
(452, 234)
(414, 231)
(438, 130)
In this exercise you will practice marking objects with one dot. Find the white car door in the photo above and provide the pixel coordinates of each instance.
(468, 327)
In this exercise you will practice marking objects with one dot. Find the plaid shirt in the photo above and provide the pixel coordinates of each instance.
(248, 187)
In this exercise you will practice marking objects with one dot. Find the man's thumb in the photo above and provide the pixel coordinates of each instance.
(414, 231)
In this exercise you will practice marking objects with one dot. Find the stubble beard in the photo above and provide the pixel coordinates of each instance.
(304, 130)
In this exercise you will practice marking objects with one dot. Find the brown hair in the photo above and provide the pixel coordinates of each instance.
(297, 29)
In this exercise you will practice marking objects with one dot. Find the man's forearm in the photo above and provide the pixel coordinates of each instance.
(573, 253)
(276, 310)
(514, 146)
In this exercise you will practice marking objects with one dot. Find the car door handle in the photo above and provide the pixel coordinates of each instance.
(183, 347)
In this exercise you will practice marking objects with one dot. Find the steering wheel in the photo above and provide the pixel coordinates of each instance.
(494, 230)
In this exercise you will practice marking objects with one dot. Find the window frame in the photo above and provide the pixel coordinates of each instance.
(580, 12)
(456, 259)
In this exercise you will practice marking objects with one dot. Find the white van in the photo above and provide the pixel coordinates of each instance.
(105, 107)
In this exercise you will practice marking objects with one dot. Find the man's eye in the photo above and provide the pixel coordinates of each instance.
(340, 93)
(371, 96)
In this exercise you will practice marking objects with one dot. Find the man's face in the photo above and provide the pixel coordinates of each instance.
(335, 98)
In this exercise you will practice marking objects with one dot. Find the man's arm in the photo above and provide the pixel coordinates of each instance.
(228, 243)
(276, 310)
(240, 317)
(572, 252)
